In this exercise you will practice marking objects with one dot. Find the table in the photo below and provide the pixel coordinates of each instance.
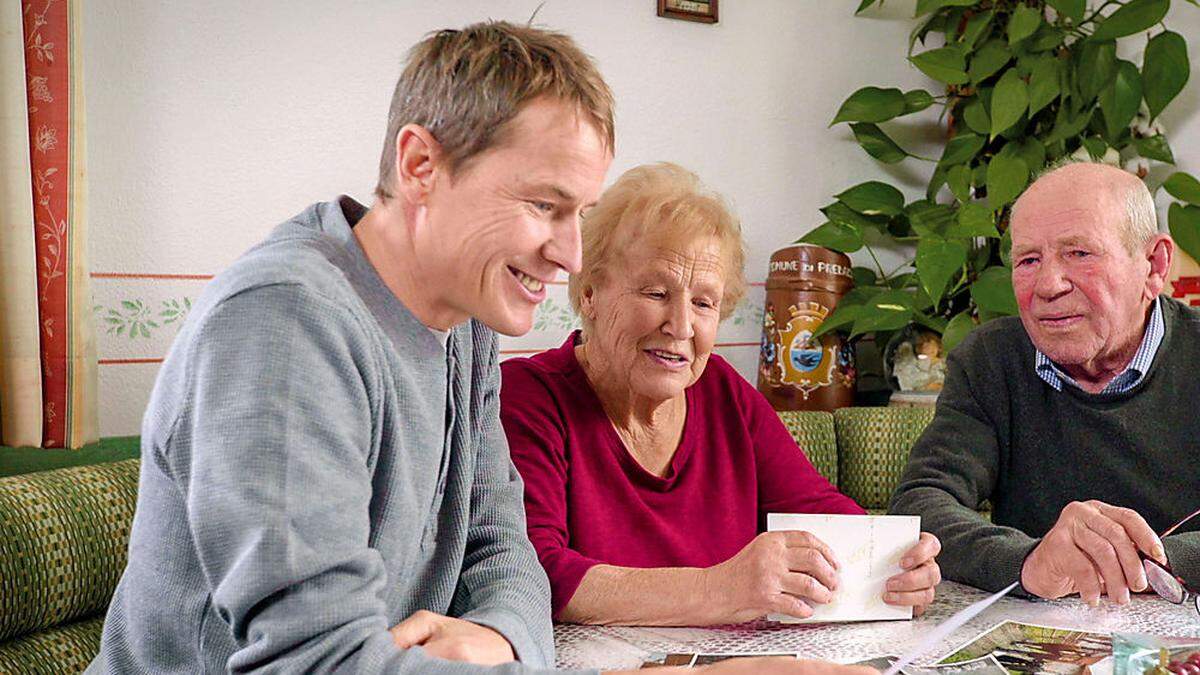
(626, 646)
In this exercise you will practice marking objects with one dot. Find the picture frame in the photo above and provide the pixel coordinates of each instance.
(702, 11)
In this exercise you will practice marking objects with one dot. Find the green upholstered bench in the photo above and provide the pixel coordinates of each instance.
(860, 450)
(64, 532)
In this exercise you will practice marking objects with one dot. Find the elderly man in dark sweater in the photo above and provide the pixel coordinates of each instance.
(1077, 421)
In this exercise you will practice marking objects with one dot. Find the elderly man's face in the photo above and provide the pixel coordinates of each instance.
(654, 318)
(508, 220)
(1081, 294)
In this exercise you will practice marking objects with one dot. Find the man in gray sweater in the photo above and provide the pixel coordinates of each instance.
(1076, 422)
(325, 483)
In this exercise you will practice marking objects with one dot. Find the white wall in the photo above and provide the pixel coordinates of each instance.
(209, 122)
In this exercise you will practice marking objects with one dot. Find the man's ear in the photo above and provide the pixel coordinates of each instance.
(587, 302)
(418, 156)
(1159, 252)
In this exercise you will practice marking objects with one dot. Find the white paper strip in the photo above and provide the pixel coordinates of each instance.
(947, 627)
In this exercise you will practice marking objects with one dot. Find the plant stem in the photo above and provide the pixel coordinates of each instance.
(1096, 13)
(877, 265)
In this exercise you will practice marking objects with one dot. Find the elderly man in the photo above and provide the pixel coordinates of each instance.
(1076, 422)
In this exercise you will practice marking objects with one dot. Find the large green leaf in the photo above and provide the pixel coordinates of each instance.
(1023, 22)
(873, 198)
(945, 64)
(1006, 178)
(843, 315)
(1096, 147)
(863, 5)
(886, 311)
(938, 261)
(1009, 101)
(863, 276)
(871, 104)
(958, 178)
(1184, 187)
(927, 6)
(1068, 125)
(837, 236)
(958, 328)
(974, 220)
(1165, 70)
(993, 291)
(876, 143)
(1133, 17)
(1043, 84)
(839, 212)
(976, 26)
(1184, 222)
(962, 148)
(989, 59)
(928, 217)
(1120, 100)
(1155, 147)
(1072, 9)
(917, 100)
(1046, 38)
(1029, 149)
(1097, 65)
(976, 116)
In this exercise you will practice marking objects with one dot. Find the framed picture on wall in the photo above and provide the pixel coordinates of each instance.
(704, 11)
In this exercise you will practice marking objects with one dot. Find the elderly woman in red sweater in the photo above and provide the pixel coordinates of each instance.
(649, 463)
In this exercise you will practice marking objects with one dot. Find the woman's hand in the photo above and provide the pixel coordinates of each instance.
(782, 572)
(914, 587)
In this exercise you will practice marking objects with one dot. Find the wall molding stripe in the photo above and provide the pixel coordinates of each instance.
(131, 275)
(503, 352)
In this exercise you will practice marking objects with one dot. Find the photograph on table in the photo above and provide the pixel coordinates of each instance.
(1029, 648)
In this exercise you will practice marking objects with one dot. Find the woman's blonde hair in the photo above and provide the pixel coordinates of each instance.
(661, 205)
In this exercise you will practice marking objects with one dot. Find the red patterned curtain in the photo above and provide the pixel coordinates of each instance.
(48, 356)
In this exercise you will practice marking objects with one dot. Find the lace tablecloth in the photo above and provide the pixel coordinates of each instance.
(626, 647)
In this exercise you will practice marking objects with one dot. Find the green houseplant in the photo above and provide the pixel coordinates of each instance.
(1026, 82)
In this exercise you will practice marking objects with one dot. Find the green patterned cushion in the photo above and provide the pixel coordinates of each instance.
(873, 446)
(64, 649)
(813, 431)
(63, 540)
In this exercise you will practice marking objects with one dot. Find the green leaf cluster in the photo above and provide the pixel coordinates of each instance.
(1021, 84)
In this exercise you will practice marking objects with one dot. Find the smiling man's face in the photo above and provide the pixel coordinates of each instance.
(1082, 294)
(508, 221)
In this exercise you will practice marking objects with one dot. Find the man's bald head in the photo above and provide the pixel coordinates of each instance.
(1116, 190)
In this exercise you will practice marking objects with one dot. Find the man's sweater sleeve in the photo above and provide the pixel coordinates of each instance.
(271, 451)
(952, 470)
(502, 585)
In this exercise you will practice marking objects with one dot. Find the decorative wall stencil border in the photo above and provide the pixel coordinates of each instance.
(503, 352)
(136, 317)
(144, 319)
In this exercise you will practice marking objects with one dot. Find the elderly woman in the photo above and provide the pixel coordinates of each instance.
(649, 463)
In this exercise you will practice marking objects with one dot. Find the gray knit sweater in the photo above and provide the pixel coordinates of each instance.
(1003, 435)
(316, 466)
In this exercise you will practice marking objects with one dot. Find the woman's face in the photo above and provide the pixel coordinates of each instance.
(654, 315)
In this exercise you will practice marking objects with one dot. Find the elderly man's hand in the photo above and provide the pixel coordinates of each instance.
(914, 587)
(784, 572)
(452, 639)
(1092, 550)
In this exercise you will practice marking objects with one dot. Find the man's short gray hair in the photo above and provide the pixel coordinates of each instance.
(1141, 217)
